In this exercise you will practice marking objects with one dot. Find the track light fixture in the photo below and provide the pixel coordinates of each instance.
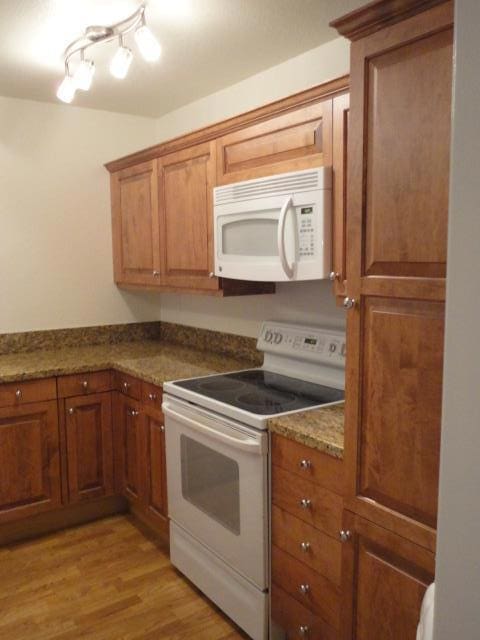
(85, 68)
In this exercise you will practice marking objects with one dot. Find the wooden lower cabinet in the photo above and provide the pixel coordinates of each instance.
(29, 460)
(297, 621)
(384, 580)
(89, 446)
(140, 468)
(129, 446)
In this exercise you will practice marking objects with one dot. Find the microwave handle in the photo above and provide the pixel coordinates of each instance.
(288, 269)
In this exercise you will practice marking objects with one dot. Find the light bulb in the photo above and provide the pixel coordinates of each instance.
(84, 74)
(66, 90)
(147, 43)
(121, 62)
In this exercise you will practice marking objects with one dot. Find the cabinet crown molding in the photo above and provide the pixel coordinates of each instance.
(379, 14)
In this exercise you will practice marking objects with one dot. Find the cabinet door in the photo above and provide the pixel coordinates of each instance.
(398, 166)
(341, 108)
(136, 245)
(384, 581)
(186, 181)
(29, 460)
(88, 423)
(299, 139)
(155, 467)
(129, 448)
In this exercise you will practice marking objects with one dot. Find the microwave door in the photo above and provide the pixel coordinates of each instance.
(250, 242)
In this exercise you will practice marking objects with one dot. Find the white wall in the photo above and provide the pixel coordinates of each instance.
(55, 237)
(457, 606)
(296, 302)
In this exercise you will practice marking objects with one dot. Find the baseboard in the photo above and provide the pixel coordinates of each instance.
(69, 516)
(154, 527)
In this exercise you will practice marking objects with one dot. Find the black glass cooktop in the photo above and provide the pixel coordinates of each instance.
(262, 392)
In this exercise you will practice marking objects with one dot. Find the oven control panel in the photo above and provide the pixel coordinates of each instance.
(303, 343)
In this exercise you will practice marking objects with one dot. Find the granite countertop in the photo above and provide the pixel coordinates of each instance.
(318, 428)
(156, 362)
(150, 360)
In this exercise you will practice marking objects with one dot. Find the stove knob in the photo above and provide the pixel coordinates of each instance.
(333, 347)
(268, 336)
(278, 338)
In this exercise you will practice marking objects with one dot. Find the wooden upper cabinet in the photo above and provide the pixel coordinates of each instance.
(29, 460)
(299, 139)
(397, 199)
(384, 579)
(88, 421)
(186, 180)
(136, 241)
(341, 109)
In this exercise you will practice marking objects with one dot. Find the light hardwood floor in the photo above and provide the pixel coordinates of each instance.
(104, 580)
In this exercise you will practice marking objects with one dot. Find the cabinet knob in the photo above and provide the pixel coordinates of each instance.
(349, 303)
(125, 386)
(156, 274)
(305, 546)
(71, 411)
(18, 394)
(304, 589)
(334, 275)
(152, 396)
(303, 630)
(85, 384)
(133, 413)
(211, 274)
(305, 464)
(345, 535)
(305, 503)
(162, 427)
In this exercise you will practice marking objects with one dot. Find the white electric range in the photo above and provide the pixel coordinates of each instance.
(217, 462)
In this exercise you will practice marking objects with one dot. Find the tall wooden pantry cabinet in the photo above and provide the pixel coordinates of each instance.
(397, 204)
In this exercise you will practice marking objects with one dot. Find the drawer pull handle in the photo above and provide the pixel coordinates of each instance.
(125, 386)
(304, 589)
(133, 413)
(152, 396)
(18, 394)
(345, 535)
(303, 630)
(305, 503)
(85, 384)
(305, 464)
(305, 546)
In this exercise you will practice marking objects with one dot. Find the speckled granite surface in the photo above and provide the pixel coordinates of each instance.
(320, 428)
(150, 360)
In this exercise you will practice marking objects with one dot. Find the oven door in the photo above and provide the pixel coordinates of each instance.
(218, 486)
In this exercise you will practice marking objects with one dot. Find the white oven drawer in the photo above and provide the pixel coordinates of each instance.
(217, 485)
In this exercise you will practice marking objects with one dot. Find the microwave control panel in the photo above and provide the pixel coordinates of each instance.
(306, 231)
(305, 343)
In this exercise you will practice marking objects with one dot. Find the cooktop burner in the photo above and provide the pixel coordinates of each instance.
(262, 392)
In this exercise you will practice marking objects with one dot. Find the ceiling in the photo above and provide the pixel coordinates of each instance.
(207, 45)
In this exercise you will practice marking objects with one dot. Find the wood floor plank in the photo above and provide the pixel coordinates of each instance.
(102, 581)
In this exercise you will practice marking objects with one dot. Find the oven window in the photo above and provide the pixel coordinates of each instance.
(210, 481)
(252, 237)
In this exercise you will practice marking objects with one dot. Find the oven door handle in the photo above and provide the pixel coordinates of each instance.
(246, 444)
(288, 269)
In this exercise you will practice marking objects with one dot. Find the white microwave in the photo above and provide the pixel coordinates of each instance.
(274, 229)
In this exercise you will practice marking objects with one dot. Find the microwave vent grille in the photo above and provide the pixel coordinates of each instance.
(273, 185)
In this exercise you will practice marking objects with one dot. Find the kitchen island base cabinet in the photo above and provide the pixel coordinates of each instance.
(385, 578)
(29, 460)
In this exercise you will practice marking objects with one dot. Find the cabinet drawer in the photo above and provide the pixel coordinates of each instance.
(14, 393)
(308, 463)
(307, 586)
(152, 396)
(128, 385)
(83, 383)
(321, 508)
(296, 620)
(309, 545)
